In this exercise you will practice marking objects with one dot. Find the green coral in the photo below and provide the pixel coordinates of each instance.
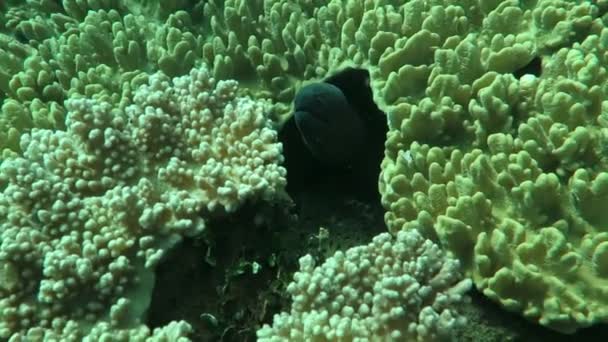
(89, 211)
(85, 47)
(507, 173)
(471, 149)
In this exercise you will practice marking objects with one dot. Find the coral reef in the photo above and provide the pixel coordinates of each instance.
(399, 289)
(91, 210)
(121, 123)
(508, 173)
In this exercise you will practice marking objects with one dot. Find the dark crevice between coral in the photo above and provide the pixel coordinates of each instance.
(533, 67)
(20, 37)
(226, 281)
(340, 200)
(232, 279)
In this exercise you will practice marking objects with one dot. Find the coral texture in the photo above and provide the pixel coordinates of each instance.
(91, 210)
(510, 173)
(507, 172)
(402, 288)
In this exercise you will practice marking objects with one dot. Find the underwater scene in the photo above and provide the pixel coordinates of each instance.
(303, 170)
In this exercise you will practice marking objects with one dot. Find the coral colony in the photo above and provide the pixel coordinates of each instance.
(127, 127)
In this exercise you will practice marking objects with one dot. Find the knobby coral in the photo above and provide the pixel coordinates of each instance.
(90, 210)
(508, 174)
(402, 288)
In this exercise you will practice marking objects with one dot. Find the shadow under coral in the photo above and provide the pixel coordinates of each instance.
(232, 280)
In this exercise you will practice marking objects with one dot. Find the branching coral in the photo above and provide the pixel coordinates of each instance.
(400, 289)
(91, 210)
(87, 48)
(496, 167)
(506, 173)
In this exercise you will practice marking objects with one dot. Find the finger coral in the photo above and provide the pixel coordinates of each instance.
(91, 209)
(402, 288)
(49, 51)
(507, 173)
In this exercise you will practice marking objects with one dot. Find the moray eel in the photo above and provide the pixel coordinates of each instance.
(335, 135)
(331, 129)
